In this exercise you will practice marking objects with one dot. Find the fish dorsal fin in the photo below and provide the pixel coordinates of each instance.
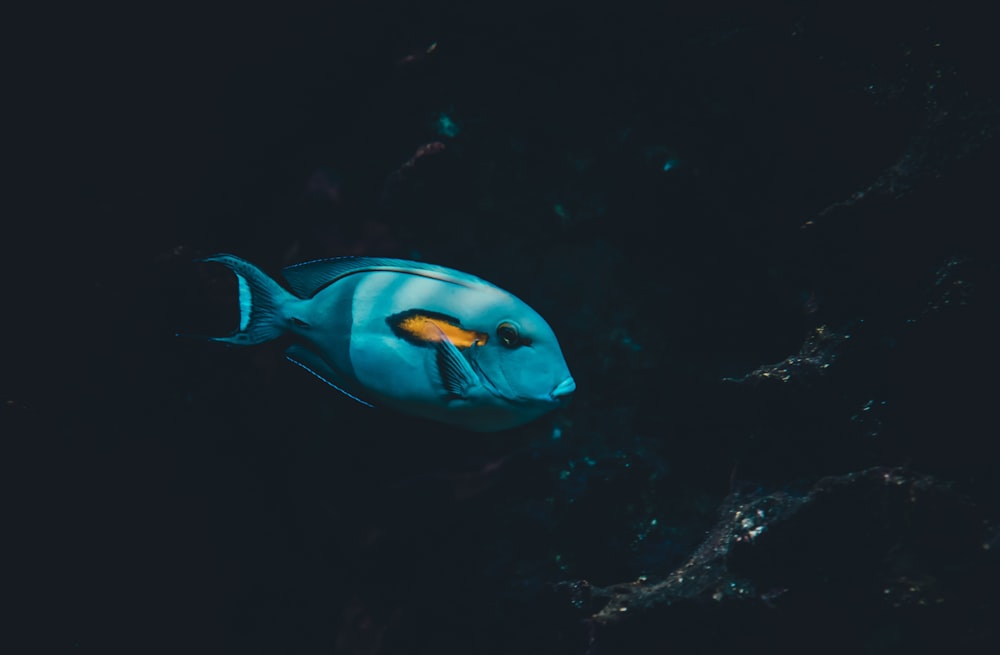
(307, 278)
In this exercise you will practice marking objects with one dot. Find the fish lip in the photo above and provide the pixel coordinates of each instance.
(563, 390)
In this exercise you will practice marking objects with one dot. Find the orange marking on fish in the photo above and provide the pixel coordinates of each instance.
(425, 328)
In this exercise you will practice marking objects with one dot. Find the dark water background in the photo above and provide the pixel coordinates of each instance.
(685, 195)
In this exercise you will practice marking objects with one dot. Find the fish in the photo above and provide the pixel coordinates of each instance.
(417, 338)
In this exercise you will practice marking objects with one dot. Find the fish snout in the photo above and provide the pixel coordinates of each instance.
(562, 391)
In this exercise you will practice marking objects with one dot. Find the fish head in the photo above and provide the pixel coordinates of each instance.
(521, 362)
(492, 362)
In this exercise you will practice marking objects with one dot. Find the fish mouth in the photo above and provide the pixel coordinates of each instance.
(563, 390)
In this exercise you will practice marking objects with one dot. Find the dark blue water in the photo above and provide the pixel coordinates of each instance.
(765, 240)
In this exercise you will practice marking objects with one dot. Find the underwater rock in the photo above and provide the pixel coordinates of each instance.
(818, 352)
(951, 286)
(901, 554)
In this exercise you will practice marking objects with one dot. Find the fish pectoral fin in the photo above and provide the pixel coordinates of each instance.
(454, 370)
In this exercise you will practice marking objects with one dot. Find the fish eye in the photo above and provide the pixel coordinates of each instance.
(509, 335)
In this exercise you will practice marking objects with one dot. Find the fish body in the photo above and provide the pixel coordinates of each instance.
(418, 338)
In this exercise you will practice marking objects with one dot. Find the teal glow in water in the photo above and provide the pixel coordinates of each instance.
(446, 126)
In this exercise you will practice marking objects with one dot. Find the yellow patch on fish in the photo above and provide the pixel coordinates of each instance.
(427, 328)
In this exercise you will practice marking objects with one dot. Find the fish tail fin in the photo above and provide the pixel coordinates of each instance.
(262, 303)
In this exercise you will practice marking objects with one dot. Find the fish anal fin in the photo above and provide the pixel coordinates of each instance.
(305, 358)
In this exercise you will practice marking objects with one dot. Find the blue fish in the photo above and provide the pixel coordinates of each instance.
(421, 339)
